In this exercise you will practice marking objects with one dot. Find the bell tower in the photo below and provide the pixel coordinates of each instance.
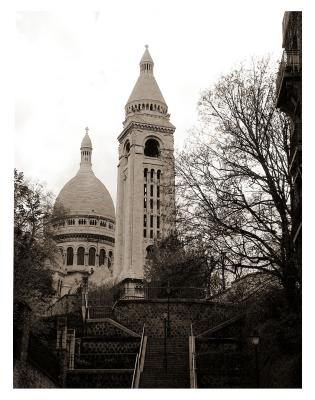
(145, 181)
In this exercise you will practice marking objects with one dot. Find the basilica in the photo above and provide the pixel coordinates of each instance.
(93, 240)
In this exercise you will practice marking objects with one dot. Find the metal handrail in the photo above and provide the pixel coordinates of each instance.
(192, 355)
(137, 370)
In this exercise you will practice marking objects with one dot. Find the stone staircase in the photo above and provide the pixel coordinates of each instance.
(105, 356)
(156, 374)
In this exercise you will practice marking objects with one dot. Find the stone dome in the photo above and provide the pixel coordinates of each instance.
(86, 194)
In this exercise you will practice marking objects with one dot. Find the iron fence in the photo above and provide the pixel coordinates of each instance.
(159, 292)
(221, 313)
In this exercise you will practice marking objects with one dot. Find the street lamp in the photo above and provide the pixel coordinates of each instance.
(168, 291)
(255, 339)
(148, 287)
(165, 350)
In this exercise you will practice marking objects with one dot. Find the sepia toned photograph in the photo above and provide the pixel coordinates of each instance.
(158, 197)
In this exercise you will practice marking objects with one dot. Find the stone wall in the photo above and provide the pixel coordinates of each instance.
(130, 345)
(181, 314)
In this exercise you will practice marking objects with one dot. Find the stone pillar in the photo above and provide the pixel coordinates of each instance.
(71, 347)
(61, 346)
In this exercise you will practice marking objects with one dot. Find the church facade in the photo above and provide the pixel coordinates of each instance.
(92, 240)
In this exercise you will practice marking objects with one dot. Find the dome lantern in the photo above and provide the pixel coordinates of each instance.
(86, 151)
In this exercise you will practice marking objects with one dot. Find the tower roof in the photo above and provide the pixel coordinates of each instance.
(86, 141)
(146, 56)
(146, 87)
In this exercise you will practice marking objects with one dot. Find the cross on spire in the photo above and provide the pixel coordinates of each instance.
(86, 130)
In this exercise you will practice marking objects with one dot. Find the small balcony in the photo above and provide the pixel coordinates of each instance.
(290, 69)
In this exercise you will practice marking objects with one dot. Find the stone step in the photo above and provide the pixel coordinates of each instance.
(99, 379)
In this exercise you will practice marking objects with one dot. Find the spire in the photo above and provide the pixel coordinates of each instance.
(86, 152)
(146, 96)
(146, 62)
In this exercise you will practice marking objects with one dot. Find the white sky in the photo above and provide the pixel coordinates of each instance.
(75, 69)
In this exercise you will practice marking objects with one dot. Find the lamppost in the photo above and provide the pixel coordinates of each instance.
(168, 291)
(255, 339)
(165, 349)
(147, 294)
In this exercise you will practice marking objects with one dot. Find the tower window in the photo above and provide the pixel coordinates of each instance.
(102, 257)
(80, 256)
(145, 174)
(151, 221)
(152, 174)
(151, 191)
(144, 233)
(151, 234)
(145, 189)
(127, 147)
(158, 191)
(152, 148)
(144, 220)
(158, 174)
(151, 204)
(69, 256)
(92, 253)
(158, 222)
(145, 203)
(158, 204)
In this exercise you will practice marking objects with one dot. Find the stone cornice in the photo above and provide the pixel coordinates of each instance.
(78, 215)
(145, 125)
(86, 236)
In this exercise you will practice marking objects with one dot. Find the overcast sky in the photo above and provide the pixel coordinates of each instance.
(78, 69)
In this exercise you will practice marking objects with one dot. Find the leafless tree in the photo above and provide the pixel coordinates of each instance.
(233, 180)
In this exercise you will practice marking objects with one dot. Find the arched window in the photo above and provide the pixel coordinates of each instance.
(149, 251)
(158, 174)
(127, 147)
(110, 259)
(92, 253)
(102, 257)
(80, 256)
(145, 173)
(152, 148)
(69, 256)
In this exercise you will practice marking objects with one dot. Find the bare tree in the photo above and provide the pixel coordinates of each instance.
(233, 176)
